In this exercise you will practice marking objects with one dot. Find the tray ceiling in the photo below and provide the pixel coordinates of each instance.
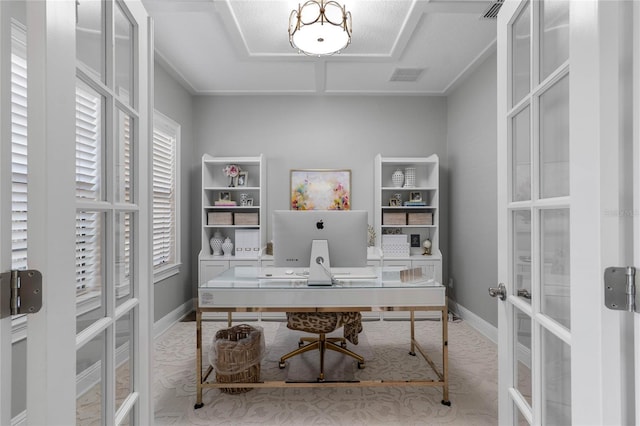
(407, 47)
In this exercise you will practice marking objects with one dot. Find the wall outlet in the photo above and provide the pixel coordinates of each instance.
(450, 282)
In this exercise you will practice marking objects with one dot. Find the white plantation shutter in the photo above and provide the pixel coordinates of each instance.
(165, 178)
(88, 134)
(18, 148)
(88, 251)
(88, 166)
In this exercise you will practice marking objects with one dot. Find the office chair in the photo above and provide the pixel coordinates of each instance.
(322, 323)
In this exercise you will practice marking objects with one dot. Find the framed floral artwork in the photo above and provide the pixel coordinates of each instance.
(320, 190)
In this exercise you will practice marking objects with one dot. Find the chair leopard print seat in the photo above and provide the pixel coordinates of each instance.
(326, 322)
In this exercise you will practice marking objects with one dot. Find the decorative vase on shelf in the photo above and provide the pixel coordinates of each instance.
(216, 243)
(397, 178)
(410, 177)
(227, 247)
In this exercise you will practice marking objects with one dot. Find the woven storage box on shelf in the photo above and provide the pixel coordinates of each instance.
(420, 218)
(394, 218)
(220, 218)
(236, 354)
(245, 218)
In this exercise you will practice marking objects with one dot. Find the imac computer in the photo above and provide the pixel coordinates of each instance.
(328, 242)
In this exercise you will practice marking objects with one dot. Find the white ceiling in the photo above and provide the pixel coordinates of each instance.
(242, 46)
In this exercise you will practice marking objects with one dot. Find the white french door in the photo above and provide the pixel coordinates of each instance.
(636, 201)
(88, 66)
(564, 121)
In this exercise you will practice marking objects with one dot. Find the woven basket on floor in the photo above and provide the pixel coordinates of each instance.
(238, 351)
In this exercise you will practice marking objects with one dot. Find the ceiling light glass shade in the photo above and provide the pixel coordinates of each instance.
(320, 27)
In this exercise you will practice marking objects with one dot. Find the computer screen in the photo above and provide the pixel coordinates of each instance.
(344, 230)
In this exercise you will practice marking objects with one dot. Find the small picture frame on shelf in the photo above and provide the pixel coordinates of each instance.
(415, 240)
(415, 196)
(249, 202)
(394, 202)
(242, 178)
(225, 196)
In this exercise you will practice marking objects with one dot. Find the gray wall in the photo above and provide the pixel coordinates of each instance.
(472, 157)
(321, 132)
(175, 102)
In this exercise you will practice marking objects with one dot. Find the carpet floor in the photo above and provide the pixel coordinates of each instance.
(473, 380)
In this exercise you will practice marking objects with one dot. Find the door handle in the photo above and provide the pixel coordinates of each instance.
(500, 292)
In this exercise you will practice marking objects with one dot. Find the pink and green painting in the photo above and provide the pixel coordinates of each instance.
(320, 189)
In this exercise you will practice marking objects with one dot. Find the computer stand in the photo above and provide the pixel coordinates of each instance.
(319, 264)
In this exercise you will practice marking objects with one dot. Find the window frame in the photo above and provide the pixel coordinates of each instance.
(164, 124)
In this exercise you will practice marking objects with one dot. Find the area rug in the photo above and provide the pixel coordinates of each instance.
(472, 375)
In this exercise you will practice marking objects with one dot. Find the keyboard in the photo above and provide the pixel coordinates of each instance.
(354, 273)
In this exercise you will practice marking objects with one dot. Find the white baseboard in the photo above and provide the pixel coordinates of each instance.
(482, 326)
(165, 323)
(20, 419)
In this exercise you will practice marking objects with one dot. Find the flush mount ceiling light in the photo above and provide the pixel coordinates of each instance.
(320, 27)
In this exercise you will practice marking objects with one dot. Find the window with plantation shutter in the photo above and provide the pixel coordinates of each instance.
(166, 253)
(18, 147)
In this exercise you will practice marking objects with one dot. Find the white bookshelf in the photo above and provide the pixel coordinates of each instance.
(215, 182)
(427, 185)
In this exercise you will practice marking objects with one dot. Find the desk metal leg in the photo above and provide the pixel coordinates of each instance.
(199, 403)
(445, 357)
(412, 316)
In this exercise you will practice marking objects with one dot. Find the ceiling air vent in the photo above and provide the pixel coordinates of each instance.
(492, 11)
(406, 74)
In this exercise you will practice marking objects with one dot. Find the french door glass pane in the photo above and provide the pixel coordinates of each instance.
(124, 158)
(123, 257)
(90, 39)
(522, 330)
(521, 55)
(555, 269)
(554, 36)
(90, 304)
(90, 373)
(554, 140)
(556, 380)
(123, 54)
(521, 156)
(522, 253)
(89, 142)
(124, 358)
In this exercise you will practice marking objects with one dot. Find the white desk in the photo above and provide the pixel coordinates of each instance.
(240, 290)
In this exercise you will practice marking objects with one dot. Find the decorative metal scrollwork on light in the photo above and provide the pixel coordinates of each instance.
(320, 27)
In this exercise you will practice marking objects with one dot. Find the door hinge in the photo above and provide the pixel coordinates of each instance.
(620, 289)
(20, 292)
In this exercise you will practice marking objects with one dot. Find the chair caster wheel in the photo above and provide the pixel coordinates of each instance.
(412, 353)
(361, 366)
(447, 403)
(282, 364)
(300, 344)
(199, 405)
(343, 345)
